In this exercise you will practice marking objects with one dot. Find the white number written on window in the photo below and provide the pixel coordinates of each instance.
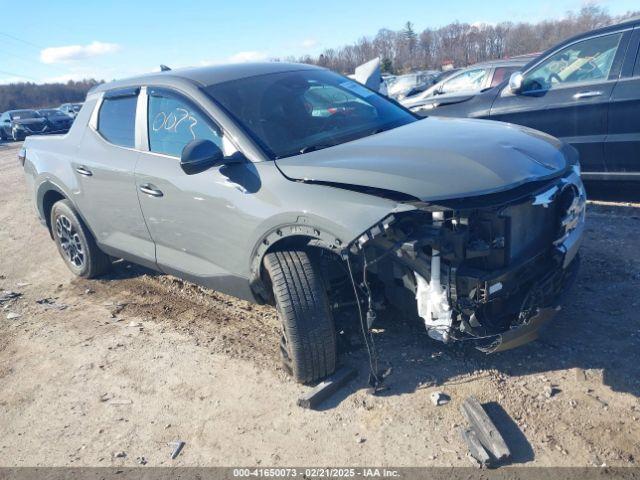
(171, 122)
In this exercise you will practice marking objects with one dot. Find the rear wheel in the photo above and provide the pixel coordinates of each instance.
(75, 243)
(308, 343)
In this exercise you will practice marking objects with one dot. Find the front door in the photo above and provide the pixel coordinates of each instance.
(622, 148)
(193, 219)
(567, 95)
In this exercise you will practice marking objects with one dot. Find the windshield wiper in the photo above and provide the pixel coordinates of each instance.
(313, 148)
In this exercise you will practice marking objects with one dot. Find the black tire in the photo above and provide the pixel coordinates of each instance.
(75, 243)
(3, 136)
(308, 344)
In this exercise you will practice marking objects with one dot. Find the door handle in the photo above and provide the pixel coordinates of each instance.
(82, 170)
(150, 190)
(590, 94)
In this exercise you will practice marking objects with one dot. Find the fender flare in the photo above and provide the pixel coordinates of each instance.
(49, 186)
(314, 236)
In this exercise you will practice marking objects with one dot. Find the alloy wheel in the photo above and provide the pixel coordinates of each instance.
(70, 242)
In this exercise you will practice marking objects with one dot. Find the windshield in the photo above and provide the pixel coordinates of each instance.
(24, 114)
(296, 112)
(50, 113)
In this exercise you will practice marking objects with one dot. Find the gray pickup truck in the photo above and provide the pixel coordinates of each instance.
(292, 185)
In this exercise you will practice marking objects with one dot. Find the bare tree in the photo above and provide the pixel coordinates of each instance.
(461, 43)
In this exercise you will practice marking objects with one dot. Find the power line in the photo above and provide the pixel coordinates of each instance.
(26, 42)
(40, 48)
(18, 75)
(29, 60)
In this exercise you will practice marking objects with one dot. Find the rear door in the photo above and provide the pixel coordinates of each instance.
(567, 94)
(622, 146)
(104, 169)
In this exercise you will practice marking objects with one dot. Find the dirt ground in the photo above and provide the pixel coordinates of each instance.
(111, 371)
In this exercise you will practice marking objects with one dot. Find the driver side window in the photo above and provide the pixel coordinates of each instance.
(173, 122)
(586, 61)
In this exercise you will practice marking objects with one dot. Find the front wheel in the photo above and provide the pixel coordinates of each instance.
(308, 344)
(75, 242)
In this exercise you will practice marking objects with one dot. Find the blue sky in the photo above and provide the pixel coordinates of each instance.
(63, 39)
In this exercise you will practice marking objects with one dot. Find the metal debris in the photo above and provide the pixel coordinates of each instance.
(486, 432)
(7, 295)
(51, 303)
(179, 445)
(476, 450)
(326, 388)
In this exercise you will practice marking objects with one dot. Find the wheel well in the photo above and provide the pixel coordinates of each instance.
(311, 244)
(48, 200)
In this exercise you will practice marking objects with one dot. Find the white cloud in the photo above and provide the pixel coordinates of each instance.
(248, 56)
(72, 53)
(309, 43)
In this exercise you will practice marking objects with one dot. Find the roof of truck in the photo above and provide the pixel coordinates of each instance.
(205, 76)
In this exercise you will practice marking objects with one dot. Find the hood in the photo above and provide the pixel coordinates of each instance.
(369, 74)
(59, 118)
(29, 121)
(436, 159)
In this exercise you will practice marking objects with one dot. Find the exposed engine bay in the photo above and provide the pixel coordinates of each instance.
(487, 269)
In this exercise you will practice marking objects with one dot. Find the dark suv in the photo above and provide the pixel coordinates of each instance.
(585, 91)
(18, 124)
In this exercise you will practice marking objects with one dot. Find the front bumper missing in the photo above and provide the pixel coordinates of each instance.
(528, 332)
(500, 280)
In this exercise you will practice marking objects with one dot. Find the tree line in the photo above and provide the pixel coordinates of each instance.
(461, 44)
(400, 51)
(31, 95)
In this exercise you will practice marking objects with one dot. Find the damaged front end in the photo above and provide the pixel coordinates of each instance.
(488, 269)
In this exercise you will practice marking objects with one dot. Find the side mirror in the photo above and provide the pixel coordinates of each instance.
(515, 82)
(200, 155)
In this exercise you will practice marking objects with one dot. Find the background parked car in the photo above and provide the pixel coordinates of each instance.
(411, 83)
(436, 78)
(18, 124)
(59, 122)
(70, 109)
(585, 91)
(464, 84)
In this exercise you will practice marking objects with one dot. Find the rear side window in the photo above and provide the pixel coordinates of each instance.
(117, 120)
